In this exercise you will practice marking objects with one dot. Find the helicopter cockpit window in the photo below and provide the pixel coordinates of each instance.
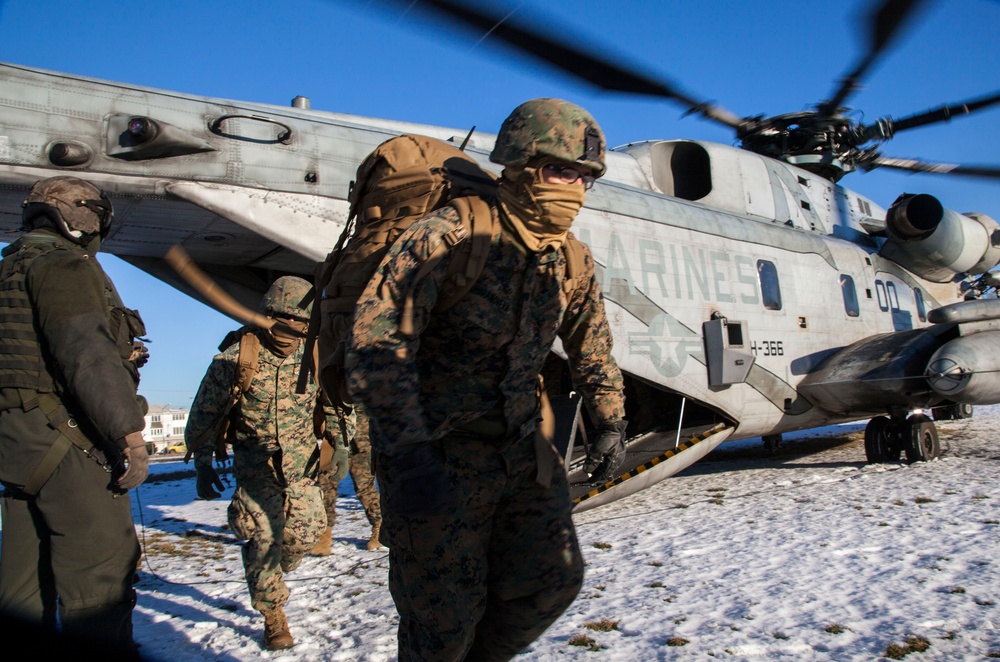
(850, 293)
(921, 307)
(770, 289)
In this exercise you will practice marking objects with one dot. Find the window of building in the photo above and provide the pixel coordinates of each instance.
(770, 289)
(850, 293)
(155, 418)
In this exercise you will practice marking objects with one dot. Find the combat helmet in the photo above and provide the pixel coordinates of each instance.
(286, 296)
(79, 209)
(550, 128)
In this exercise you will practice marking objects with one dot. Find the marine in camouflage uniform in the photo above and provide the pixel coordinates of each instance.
(69, 415)
(277, 507)
(335, 462)
(476, 509)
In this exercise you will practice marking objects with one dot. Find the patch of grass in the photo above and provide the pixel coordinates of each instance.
(603, 625)
(655, 564)
(897, 502)
(835, 628)
(657, 585)
(991, 521)
(717, 501)
(602, 545)
(780, 635)
(680, 505)
(677, 641)
(924, 500)
(914, 644)
(716, 489)
(956, 589)
(981, 496)
(984, 603)
(584, 641)
(895, 651)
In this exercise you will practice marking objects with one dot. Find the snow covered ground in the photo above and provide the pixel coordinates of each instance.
(746, 555)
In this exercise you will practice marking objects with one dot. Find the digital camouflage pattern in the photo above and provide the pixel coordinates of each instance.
(470, 584)
(277, 509)
(285, 297)
(334, 464)
(356, 457)
(550, 128)
(481, 577)
(487, 350)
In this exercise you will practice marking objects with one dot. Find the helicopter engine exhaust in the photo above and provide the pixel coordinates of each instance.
(967, 369)
(937, 243)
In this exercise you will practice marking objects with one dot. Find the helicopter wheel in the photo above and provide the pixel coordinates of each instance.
(922, 439)
(881, 443)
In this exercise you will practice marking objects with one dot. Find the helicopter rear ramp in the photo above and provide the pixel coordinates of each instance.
(646, 464)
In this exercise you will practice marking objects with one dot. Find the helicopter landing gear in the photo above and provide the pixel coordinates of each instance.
(887, 438)
(882, 441)
(922, 439)
(771, 442)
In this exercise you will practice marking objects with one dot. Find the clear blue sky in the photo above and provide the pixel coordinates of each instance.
(368, 58)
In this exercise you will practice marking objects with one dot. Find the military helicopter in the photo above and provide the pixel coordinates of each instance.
(749, 293)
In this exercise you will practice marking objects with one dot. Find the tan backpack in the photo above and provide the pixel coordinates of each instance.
(402, 180)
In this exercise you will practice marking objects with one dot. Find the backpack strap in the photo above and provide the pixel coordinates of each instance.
(575, 254)
(463, 271)
(246, 368)
(248, 357)
(467, 265)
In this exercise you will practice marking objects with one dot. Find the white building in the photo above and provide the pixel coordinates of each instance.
(165, 427)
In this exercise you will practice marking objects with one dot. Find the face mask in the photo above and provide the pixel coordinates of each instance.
(281, 341)
(540, 213)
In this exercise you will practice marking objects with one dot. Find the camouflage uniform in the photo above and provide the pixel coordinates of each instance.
(355, 457)
(486, 574)
(276, 508)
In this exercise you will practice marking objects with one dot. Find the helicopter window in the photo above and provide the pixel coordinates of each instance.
(850, 292)
(888, 298)
(921, 307)
(770, 289)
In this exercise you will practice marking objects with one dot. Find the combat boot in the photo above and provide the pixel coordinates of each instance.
(276, 634)
(322, 546)
(373, 542)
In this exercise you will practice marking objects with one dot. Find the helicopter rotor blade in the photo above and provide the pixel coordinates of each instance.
(576, 62)
(914, 165)
(885, 24)
(886, 127)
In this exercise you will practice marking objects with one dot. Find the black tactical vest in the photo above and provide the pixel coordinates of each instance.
(21, 362)
(22, 358)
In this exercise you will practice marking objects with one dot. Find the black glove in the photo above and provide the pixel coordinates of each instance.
(136, 462)
(207, 481)
(416, 484)
(607, 452)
